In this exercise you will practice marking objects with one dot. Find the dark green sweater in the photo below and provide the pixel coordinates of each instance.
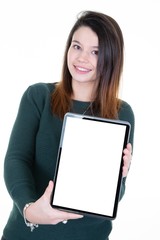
(30, 163)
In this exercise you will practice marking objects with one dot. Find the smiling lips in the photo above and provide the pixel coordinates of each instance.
(82, 69)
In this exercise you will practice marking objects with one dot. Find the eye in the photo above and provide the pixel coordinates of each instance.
(95, 52)
(75, 46)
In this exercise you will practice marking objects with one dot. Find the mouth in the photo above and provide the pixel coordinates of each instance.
(82, 69)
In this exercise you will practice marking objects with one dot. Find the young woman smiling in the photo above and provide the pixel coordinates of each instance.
(91, 73)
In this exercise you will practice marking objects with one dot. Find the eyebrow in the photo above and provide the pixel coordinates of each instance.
(75, 41)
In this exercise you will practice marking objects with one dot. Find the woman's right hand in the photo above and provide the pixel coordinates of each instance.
(41, 212)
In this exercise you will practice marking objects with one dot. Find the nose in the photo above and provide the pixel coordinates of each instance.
(83, 56)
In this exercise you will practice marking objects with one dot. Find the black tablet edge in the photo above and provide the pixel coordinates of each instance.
(120, 177)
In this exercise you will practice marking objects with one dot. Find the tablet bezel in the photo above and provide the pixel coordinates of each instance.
(120, 177)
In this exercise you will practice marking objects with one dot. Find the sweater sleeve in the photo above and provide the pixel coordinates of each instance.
(19, 159)
(126, 114)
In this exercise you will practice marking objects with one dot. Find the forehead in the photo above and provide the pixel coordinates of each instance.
(86, 36)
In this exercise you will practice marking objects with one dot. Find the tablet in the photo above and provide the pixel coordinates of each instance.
(88, 174)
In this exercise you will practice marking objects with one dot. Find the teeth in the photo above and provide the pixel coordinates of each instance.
(82, 69)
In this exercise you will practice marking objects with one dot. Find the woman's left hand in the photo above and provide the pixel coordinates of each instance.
(127, 159)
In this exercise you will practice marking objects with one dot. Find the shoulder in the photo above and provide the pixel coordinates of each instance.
(126, 112)
(41, 88)
(125, 109)
(37, 95)
(39, 91)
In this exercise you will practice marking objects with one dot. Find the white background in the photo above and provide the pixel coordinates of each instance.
(32, 40)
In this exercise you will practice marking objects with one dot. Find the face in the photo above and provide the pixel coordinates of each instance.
(83, 55)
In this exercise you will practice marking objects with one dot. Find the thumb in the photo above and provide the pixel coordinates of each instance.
(49, 189)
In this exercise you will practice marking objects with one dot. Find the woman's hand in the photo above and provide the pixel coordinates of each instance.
(41, 212)
(127, 159)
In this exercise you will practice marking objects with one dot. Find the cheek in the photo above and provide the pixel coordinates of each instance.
(70, 58)
(94, 61)
(70, 63)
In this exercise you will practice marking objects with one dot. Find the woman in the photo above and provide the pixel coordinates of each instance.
(92, 67)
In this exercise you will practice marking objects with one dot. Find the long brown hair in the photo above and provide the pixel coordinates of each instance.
(109, 66)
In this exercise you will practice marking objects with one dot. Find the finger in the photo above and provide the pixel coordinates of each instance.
(67, 215)
(129, 147)
(73, 216)
(126, 161)
(126, 151)
(126, 165)
(125, 171)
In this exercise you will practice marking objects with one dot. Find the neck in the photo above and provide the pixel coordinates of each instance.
(83, 91)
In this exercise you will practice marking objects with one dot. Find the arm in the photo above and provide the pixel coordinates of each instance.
(20, 160)
(127, 114)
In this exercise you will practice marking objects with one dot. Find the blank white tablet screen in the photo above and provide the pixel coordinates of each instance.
(89, 166)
